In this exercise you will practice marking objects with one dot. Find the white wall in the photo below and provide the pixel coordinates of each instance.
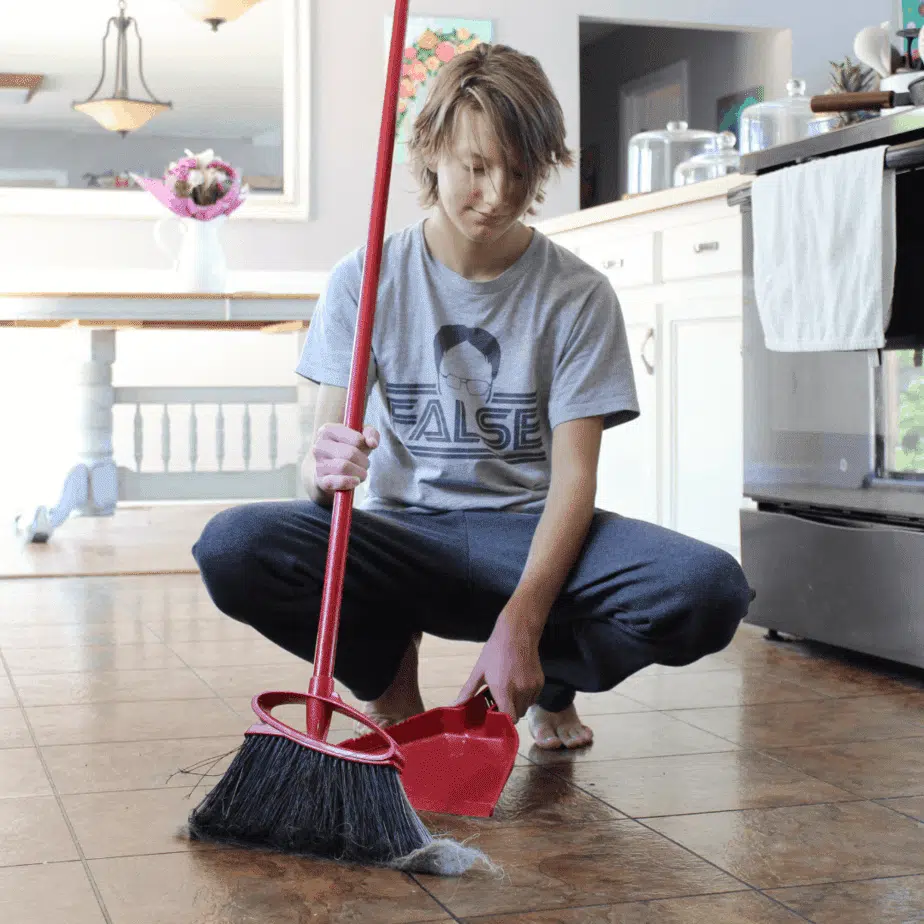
(347, 101)
(36, 416)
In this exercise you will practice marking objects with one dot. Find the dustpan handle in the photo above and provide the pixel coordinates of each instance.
(326, 649)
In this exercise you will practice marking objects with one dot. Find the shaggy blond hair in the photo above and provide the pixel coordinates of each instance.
(513, 93)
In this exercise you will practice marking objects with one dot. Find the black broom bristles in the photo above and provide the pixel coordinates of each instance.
(283, 796)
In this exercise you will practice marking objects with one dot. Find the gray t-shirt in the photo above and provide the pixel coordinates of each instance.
(468, 379)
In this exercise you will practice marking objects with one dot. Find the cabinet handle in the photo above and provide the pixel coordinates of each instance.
(611, 264)
(650, 338)
(706, 247)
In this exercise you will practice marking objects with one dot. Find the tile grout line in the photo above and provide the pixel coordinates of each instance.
(693, 853)
(781, 904)
(785, 763)
(617, 904)
(659, 834)
(832, 882)
(583, 763)
(895, 810)
(641, 818)
(57, 796)
(420, 885)
(196, 674)
(753, 748)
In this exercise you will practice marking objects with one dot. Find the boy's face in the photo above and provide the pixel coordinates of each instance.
(480, 195)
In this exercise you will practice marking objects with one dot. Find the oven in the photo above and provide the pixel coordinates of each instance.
(832, 528)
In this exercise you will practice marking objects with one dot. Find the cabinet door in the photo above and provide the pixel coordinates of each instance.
(701, 395)
(627, 478)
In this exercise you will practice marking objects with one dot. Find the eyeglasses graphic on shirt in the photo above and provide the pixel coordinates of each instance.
(475, 387)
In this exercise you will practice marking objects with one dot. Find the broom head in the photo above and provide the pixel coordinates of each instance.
(289, 791)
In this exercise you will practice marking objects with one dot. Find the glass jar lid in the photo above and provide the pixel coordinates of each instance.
(675, 131)
(722, 153)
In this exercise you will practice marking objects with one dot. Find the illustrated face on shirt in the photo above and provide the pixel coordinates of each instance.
(462, 415)
(466, 375)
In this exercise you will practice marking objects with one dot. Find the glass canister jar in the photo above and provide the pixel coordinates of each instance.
(721, 160)
(781, 121)
(655, 155)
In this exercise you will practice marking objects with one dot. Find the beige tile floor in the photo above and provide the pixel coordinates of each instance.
(771, 783)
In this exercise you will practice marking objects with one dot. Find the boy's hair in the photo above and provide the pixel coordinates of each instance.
(512, 91)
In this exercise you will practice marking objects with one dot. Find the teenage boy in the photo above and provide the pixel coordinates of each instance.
(498, 360)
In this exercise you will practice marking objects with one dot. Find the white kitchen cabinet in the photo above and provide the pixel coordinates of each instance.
(674, 259)
(627, 478)
(701, 427)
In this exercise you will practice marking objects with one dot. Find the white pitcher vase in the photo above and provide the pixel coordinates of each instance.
(199, 262)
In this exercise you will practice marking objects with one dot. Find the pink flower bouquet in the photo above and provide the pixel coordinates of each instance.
(199, 186)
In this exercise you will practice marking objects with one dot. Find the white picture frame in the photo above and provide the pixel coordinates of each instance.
(293, 204)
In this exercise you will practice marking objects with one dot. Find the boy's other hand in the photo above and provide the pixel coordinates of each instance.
(342, 456)
(510, 666)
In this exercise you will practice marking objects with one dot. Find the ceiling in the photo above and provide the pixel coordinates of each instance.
(226, 83)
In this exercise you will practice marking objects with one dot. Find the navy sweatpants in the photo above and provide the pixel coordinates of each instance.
(639, 594)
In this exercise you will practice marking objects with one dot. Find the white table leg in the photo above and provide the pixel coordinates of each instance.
(91, 487)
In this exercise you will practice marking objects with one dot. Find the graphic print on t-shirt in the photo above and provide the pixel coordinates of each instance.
(463, 416)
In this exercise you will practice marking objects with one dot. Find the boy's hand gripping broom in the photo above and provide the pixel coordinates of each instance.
(293, 791)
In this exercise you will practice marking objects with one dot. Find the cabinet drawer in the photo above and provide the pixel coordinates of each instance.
(627, 261)
(704, 249)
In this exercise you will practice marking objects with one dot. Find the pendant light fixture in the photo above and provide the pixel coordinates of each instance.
(216, 12)
(120, 112)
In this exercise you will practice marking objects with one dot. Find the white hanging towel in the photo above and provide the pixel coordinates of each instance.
(824, 253)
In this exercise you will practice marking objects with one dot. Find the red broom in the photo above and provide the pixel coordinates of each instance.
(291, 790)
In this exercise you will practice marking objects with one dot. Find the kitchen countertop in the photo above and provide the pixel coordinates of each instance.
(640, 205)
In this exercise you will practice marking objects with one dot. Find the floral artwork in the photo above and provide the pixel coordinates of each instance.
(430, 43)
(200, 186)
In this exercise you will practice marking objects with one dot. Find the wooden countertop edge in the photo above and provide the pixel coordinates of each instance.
(646, 204)
(266, 326)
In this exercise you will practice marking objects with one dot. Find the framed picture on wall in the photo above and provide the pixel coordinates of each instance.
(431, 42)
(912, 14)
(909, 11)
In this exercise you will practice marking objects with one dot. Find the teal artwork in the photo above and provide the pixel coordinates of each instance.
(729, 109)
(912, 15)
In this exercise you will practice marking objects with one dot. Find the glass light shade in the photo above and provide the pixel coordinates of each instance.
(121, 112)
(121, 115)
(215, 12)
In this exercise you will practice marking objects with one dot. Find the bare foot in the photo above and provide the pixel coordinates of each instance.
(402, 699)
(554, 730)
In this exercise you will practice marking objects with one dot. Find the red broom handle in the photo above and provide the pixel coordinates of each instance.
(322, 683)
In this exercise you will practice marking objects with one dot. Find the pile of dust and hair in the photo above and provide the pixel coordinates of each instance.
(513, 93)
(281, 796)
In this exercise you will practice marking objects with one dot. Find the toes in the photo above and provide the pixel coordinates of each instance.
(545, 736)
(576, 736)
(551, 743)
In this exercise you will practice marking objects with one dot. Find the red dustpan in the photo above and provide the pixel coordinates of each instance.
(457, 759)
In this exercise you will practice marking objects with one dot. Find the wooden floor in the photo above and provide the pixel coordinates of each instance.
(138, 539)
(771, 783)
